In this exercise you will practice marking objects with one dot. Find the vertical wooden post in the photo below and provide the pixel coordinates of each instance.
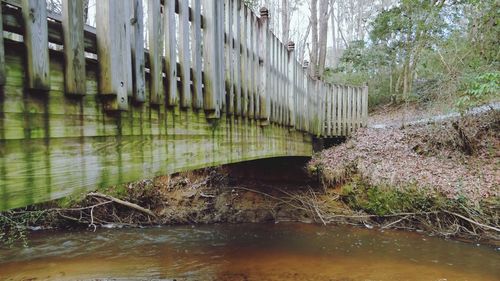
(185, 69)
(2, 51)
(196, 54)
(74, 53)
(344, 110)
(244, 60)
(272, 83)
(300, 102)
(256, 74)
(237, 52)
(280, 80)
(334, 110)
(358, 107)
(126, 56)
(112, 47)
(365, 105)
(220, 51)
(328, 110)
(212, 77)
(138, 61)
(340, 107)
(251, 66)
(228, 27)
(283, 72)
(265, 80)
(155, 52)
(36, 42)
(307, 91)
(349, 110)
(291, 81)
(170, 51)
(318, 112)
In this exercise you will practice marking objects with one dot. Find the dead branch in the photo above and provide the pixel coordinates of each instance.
(394, 222)
(473, 221)
(124, 203)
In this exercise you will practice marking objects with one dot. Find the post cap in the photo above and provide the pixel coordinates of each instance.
(264, 12)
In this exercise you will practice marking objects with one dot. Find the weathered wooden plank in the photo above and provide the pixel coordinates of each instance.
(155, 52)
(251, 59)
(329, 111)
(287, 89)
(256, 76)
(185, 98)
(344, 110)
(250, 111)
(36, 42)
(212, 76)
(281, 84)
(275, 80)
(111, 49)
(126, 56)
(137, 47)
(280, 80)
(170, 41)
(196, 56)
(291, 82)
(272, 72)
(74, 53)
(264, 67)
(357, 98)
(317, 108)
(350, 111)
(310, 90)
(334, 110)
(244, 60)
(220, 56)
(237, 53)
(365, 106)
(228, 29)
(2, 52)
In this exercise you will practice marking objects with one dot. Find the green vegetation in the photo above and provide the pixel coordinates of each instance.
(386, 200)
(427, 51)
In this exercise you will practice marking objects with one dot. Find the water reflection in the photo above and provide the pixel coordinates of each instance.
(248, 252)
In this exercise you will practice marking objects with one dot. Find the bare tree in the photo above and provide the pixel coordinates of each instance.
(285, 20)
(323, 30)
(313, 56)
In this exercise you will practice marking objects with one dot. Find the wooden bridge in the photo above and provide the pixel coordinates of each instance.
(156, 87)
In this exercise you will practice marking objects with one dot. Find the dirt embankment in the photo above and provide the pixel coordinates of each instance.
(439, 176)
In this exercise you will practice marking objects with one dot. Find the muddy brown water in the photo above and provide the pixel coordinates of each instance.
(247, 252)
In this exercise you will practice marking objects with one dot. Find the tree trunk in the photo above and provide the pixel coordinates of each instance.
(323, 30)
(334, 37)
(285, 21)
(314, 39)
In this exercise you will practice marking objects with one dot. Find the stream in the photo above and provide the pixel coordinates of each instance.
(283, 251)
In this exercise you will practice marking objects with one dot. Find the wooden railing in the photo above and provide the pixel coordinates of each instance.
(224, 61)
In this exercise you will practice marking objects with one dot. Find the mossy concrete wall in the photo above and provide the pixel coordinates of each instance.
(53, 145)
